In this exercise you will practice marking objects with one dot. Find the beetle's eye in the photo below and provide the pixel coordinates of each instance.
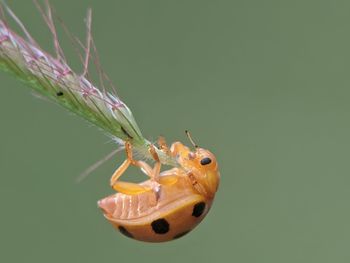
(205, 161)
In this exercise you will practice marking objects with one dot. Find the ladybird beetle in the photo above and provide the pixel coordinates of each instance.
(170, 203)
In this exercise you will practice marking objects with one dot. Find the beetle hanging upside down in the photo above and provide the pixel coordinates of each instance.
(170, 203)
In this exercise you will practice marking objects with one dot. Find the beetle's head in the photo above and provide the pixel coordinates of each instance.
(201, 167)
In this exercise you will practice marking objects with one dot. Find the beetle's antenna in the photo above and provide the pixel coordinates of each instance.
(191, 140)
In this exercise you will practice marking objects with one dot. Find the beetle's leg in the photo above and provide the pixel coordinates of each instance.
(145, 168)
(130, 188)
(169, 177)
(156, 168)
(163, 145)
(125, 187)
(165, 178)
(133, 188)
(122, 168)
(153, 173)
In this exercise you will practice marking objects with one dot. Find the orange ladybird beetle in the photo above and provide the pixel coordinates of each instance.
(167, 205)
(170, 203)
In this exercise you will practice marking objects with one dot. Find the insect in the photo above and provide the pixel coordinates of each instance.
(169, 204)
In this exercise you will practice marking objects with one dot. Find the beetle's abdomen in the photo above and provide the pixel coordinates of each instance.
(126, 207)
(156, 216)
(171, 222)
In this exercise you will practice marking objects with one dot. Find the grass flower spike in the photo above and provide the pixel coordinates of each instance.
(52, 78)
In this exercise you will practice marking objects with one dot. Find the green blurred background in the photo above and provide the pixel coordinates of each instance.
(264, 84)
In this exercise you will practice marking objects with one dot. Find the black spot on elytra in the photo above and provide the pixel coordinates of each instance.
(205, 161)
(160, 226)
(181, 234)
(198, 209)
(59, 93)
(125, 232)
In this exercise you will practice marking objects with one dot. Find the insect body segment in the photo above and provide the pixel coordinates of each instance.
(167, 205)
